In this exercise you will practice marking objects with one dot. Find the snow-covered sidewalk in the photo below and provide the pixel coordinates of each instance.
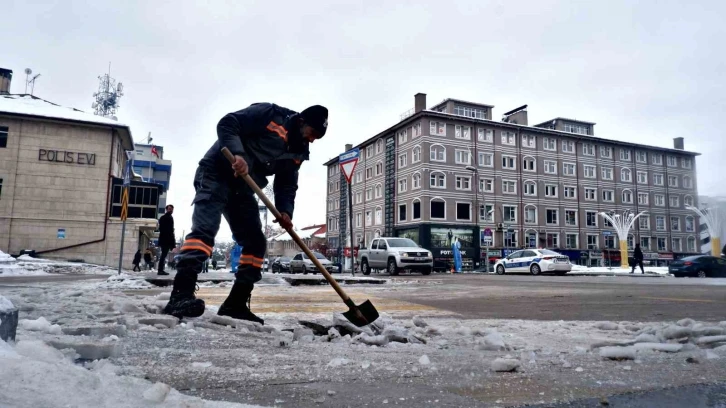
(29, 266)
(616, 270)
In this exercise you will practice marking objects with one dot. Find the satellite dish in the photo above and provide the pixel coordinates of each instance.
(28, 71)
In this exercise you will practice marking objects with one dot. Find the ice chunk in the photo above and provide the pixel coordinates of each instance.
(418, 321)
(709, 331)
(163, 296)
(344, 326)
(710, 339)
(128, 307)
(579, 369)
(710, 355)
(40, 324)
(424, 360)
(663, 347)
(95, 330)
(167, 321)
(379, 340)
(493, 341)
(205, 364)
(646, 338)
(87, 350)
(364, 365)
(686, 322)
(337, 362)
(333, 333)
(505, 365)
(607, 326)
(38, 350)
(5, 304)
(396, 333)
(331, 392)
(301, 332)
(157, 393)
(676, 332)
(618, 353)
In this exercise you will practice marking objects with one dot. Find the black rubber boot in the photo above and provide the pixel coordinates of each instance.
(237, 304)
(182, 302)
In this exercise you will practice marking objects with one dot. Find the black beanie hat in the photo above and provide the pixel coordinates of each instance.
(317, 117)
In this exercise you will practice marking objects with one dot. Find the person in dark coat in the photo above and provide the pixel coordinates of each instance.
(214, 264)
(266, 140)
(148, 258)
(167, 241)
(137, 260)
(638, 259)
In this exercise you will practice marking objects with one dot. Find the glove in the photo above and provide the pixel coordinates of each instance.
(284, 221)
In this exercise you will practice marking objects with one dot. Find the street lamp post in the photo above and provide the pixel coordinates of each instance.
(714, 222)
(475, 171)
(622, 224)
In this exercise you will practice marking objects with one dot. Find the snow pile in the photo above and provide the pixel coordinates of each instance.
(26, 265)
(41, 325)
(123, 281)
(9, 266)
(36, 375)
(5, 304)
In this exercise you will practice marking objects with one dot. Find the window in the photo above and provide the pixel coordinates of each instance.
(508, 138)
(553, 240)
(606, 152)
(672, 181)
(530, 188)
(659, 200)
(687, 182)
(660, 223)
(641, 157)
(528, 164)
(486, 159)
(625, 154)
(675, 224)
(510, 213)
(486, 185)
(358, 177)
(592, 242)
(509, 187)
(485, 135)
(463, 183)
(369, 151)
(590, 194)
(379, 168)
(688, 200)
(580, 129)
(626, 175)
(588, 149)
(509, 162)
(608, 195)
(644, 222)
(510, 239)
(607, 173)
(437, 129)
(661, 244)
(379, 216)
(402, 185)
(368, 218)
(551, 190)
(402, 136)
(369, 194)
(530, 240)
(568, 169)
(438, 209)
(359, 197)
(552, 217)
(337, 186)
(462, 157)
(438, 153)
(645, 243)
(416, 181)
(676, 244)
(571, 218)
(549, 143)
(402, 160)
(657, 179)
(486, 212)
(438, 180)
(4, 130)
(530, 215)
(675, 201)
(379, 146)
(416, 130)
(330, 205)
(630, 242)
(476, 113)
(463, 211)
(686, 163)
(672, 161)
(369, 172)
(570, 192)
(643, 198)
(657, 158)
(330, 187)
(358, 219)
(609, 241)
(462, 132)
(529, 141)
(589, 171)
(627, 197)
(416, 210)
(568, 146)
(416, 157)
(402, 212)
(379, 191)
(642, 177)
(690, 225)
(691, 243)
(550, 167)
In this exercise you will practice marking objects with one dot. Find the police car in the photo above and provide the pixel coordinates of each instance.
(534, 261)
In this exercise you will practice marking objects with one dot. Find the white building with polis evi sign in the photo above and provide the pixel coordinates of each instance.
(60, 177)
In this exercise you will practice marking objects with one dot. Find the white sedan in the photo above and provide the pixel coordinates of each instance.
(534, 261)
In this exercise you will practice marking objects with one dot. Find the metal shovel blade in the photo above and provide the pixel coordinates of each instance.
(363, 314)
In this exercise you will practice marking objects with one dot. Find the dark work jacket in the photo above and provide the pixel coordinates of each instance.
(638, 254)
(137, 258)
(166, 231)
(259, 133)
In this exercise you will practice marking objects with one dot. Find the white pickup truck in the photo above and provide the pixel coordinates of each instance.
(394, 255)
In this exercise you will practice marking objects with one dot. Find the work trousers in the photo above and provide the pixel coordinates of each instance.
(217, 195)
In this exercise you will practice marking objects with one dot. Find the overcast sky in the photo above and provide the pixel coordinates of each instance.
(644, 71)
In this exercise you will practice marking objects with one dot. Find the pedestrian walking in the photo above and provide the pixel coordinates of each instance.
(148, 259)
(214, 264)
(638, 259)
(137, 261)
(167, 241)
(205, 269)
(266, 140)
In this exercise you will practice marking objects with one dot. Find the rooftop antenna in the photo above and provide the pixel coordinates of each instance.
(108, 95)
(30, 81)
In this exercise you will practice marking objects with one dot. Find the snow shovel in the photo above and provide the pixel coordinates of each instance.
(360, 315)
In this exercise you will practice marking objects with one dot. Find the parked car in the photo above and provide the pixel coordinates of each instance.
(265, 264)
(534, 261)
(701, 266)
(281, 264)
(301, 263)
(395, 254)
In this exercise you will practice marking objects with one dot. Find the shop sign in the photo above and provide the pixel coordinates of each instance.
(668, 256)
(595, 254)
(61, 156)
(492, 253)
(650, 255)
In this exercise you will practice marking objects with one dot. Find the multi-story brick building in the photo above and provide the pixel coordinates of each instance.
(453, 171)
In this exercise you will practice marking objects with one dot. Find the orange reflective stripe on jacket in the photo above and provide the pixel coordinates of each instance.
(274, 127)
